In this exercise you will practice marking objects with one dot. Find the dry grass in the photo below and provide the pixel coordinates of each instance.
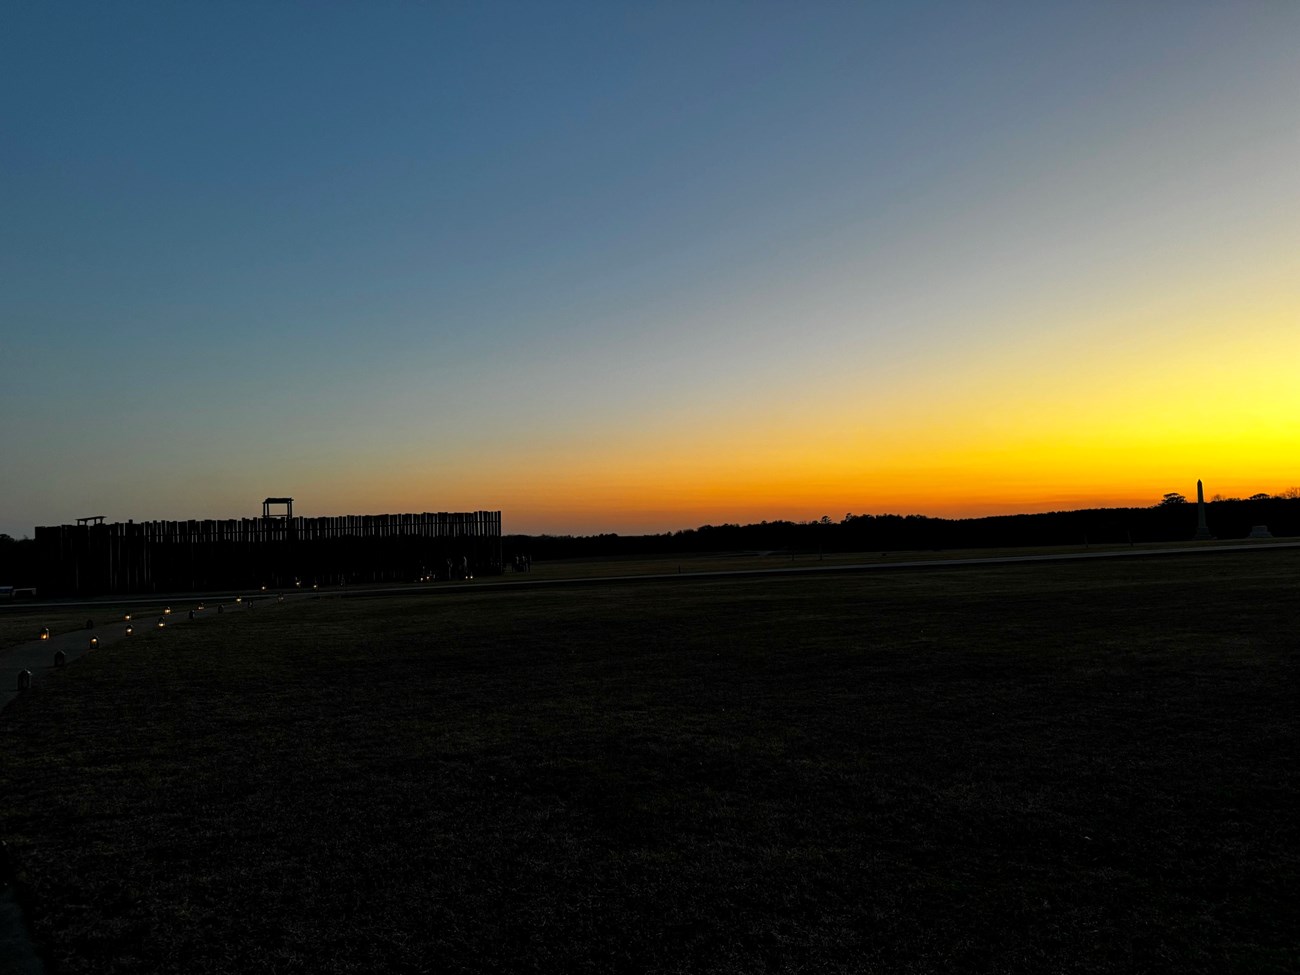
(692, 562)
(1075, 768)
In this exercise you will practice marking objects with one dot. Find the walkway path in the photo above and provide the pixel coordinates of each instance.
(37, 657)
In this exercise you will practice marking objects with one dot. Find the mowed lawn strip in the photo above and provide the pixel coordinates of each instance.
(1082, 768)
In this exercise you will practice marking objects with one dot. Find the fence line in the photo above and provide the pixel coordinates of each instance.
(173, 556)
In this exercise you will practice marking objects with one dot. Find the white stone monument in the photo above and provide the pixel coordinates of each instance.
(1202, 530)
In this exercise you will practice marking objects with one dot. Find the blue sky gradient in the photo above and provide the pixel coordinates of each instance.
(576, 261)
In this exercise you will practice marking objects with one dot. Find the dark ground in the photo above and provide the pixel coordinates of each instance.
(1043, 768)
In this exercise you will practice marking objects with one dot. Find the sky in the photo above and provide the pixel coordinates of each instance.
(615, 267)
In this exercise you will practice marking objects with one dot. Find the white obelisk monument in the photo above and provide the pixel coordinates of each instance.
(1202, 529)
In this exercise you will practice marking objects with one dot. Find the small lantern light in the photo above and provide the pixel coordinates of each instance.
(130, 630)
(127, 616)
(161, 622)
(94, 642)
(200, 606)
(167, 611)
(45, 632)
(239, 599)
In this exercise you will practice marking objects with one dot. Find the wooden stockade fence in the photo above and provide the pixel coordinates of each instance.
(176, 556)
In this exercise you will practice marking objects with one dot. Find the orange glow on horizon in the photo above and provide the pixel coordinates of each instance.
(1077, 420)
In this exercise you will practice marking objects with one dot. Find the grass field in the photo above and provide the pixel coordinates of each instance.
(1039, 768)
(688, 562)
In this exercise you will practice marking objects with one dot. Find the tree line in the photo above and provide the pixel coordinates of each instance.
(1171, 519)
(1166, 521)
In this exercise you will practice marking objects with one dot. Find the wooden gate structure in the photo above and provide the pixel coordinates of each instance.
(277, 552)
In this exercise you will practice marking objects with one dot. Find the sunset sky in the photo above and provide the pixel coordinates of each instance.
(639, 267)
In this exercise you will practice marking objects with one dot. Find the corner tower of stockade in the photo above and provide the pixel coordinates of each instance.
(93, 558)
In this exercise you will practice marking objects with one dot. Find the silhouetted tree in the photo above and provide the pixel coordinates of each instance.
(17, 561)
(1173, 497)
